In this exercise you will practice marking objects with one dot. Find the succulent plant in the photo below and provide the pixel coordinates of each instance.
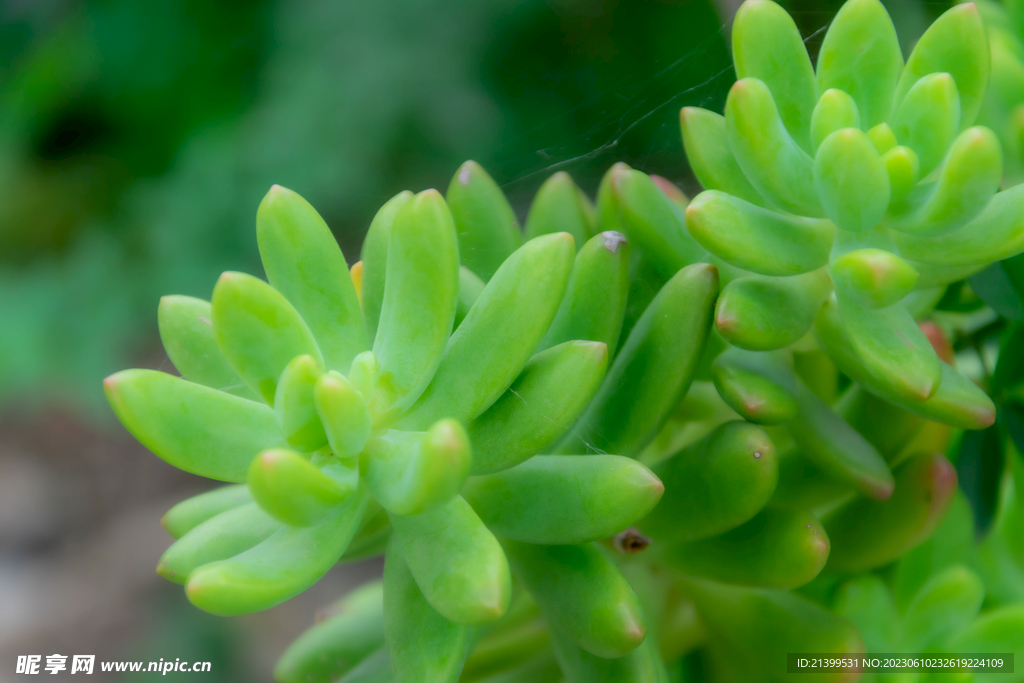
(601, 463)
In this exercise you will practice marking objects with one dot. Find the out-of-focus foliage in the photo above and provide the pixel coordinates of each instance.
(134, 139)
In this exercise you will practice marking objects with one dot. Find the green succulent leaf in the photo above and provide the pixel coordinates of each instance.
(374, 257)
(411, 472)
(653, 370)
(837, 448)
(928, 119)
(757, 239)
(420, 294)
(422, 644)
(559, 206)
(295, 407)
(861, 56)
(343, 414)
(195, 428)
(868, 533)
(596, 296)
(279, 568)
(995, 234)
(754, 625)
(516, 307)
(642, 665)
(945, 605)
(186, 330)
(540, 407)
(865, 600)
(969, 178)
(852, 180)
(714, 485)
(892, 349)
(955, 43)
(190, 513)
(305, 264)
(470, 289)
(873, 278)
(352, 632)
(752, 387)
(487, 226)
(653, 223)
(258, 331)
(835, 110)
(777, 548)
(761, 313)
(220, 537)
(583, 594)
(774, 163)
(707, 150)
(291, 489)
(766, 44)
(456, 562)
(564, 499)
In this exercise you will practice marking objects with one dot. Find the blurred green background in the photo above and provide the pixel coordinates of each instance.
(136, 141)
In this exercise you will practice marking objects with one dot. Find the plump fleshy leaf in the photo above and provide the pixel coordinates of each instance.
(487, 226)
(191, 512)
(595, 299)
(653, 223)
(928, 119)
(836, 447)
(861, 56)
(868, 533)
(852, 180)
(653, 370)
(558, 206)
(295, 407)
(304, 263)
(291, 489)
(516, 307)
(352, 631)
(540, 407)
(715, 484)
(420, 293)
(751, 386)
(873, 278)
(775, 164)
(835, 110)
(642, 665)
(279, 568)
(892, 348)
(777, 548)
(220, 537)
(866, 601)
(955, 43)
(755, 625)
(186, 330)
(195, 428)
(761, 313)
(259, 331)
(456, 562)
(766, 44)
(423, 645)
(904, 169)
(583, 594)
(968, 180)
(470, 289)
(374, 257)
(757, 239)
(996, 234)
(946, 604)
(343, 414)
(411, 472)
(707, 150)
(564, 499)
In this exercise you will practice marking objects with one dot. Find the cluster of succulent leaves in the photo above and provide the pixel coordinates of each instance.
(711, 434)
